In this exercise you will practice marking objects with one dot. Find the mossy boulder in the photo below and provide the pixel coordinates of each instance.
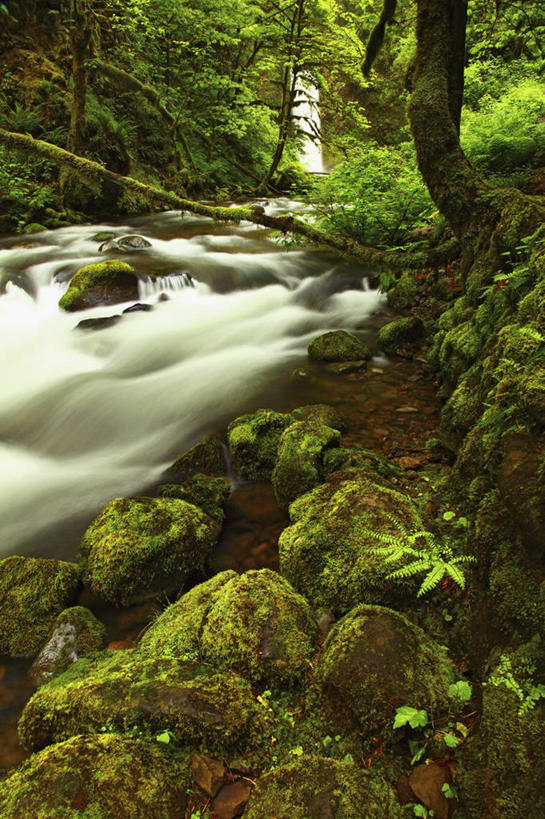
(328, 554)
(102, 283)
(104, 776)
(380, 468)
(314, 787)
(398, 333)
(373, 661)
(125, 690)
(138, 547)
(253, 443)
(299, 464)
(208, 493)
(320, 414)
(205, 457)
(521, 485)
(403, 293)
(33, 591)
(76, 633)
(254, 624)
(338, 345)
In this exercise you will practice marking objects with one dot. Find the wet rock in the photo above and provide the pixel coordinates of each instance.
(254, 624)
(317, 788)
(205, 457)
(125, 244)
(321, 414)
(338, 345)
(426, 782)
(110, 776)
(103, 236)
(380, 469)
(138, 308)
(208, 773)
(33, 591)
(403, 293)
(231, 800)
(208, 493)
(373, 661)
(125, 690)
(346, 367)
(328, 553)
(34, 227)
(98, 323)
(253, 443)
(299, 462)
(141, 546)
(76, 633)
(400, 332)
(98, 284)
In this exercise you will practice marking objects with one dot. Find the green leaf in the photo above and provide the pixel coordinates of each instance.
(451, 741)
(405, 714)
(164, 737)
(461, 690)
(449, 515)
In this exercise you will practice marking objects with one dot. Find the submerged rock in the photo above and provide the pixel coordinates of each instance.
(125, 244)
(317, 788)
(103, 236)
(103, 283)
(125, 690)
(33, 591)
(142, 546)
(253, 443)
(98, 323)
(338, 345)
(254, 624)
(103, 776)
(206, 457)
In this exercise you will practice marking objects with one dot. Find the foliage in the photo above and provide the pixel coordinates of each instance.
(518, 680)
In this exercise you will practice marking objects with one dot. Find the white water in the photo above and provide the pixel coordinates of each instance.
(87, 416)
(307, 110)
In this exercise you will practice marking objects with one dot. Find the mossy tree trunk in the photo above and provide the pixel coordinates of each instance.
(80, 37)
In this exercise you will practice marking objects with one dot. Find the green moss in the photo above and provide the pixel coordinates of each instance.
(403, 294)
(463, 408)
(320, 414)
(253, 443)
(124, 690)
(397, 333)
(33, 591)
(254, 624)
(460, 349)
(517, 587)
(205, 457)
(327, 553)
(209, 494)
(338, 345)
(365, 459)
(317, 787)
(100, 283)
(300, 457)
(106, 777)
(375, 660)
(141, 546)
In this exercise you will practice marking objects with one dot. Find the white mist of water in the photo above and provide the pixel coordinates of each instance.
(307, 109)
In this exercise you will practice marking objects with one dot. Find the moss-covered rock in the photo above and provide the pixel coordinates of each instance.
(205, 457)
(373, 661)
(208, 493)
(379, 467)
(102, 283)
(254, 624)
(403, 294)
(253, 443)
(338, 345)
(459, 349)
(317, 788)
(76, 633)
(521, 485)
(320, 414)
(142, 546)
(104, 776)
(397, 333)
(299, 464)
(125, 689)
(328, 553)
(33, 591)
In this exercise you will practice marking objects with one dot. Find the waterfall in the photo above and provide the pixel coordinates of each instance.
(307, 111)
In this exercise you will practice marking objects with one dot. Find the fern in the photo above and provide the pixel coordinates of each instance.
(422, 552)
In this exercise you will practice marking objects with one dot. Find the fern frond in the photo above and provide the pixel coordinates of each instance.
(456, 574)
(409, 570)
(431, 580)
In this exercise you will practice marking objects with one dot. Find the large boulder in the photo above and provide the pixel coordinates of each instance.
(124, 690)
(33, 591)
(102, 776)
(206, 457)
(138, 547)
(254, 624)
(338, 345)
(103, 283)
(329, 552)
(317, 788)
(396, 334)
(320, 414)
(373, 661)
(299, 464)
(253, 443)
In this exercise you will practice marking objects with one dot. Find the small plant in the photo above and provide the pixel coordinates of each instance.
(519, 682)
(428, 554)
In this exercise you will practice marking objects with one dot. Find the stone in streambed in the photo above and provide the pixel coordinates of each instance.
(33, 591)
(103, 236)
(346, 367)
(321, 414)
(125, 244)
(138, 547)
(397, 333)
(98, 323)
(338, 345)
(208, 493)
(139, 307)
(205, 457)
(99, 284)
(253, 443)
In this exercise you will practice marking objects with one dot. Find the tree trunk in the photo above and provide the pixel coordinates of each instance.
(79, 43)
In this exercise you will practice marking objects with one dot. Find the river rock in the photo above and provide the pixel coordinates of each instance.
(253, 443)
(124, 690)
(373, 661)
(110, 776)
(98, 323)
(317, 788)
(379, 468)
(328, 553)
(321, 414)
(299, 463)
(254, 624)
(397, 333)
(76, 633)
(206, 457)
(142, 546)
(208, 493)
(98, 284)
(33, 591)
(338, 345)
(139, 307)
(125, 244)
(103, 236)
